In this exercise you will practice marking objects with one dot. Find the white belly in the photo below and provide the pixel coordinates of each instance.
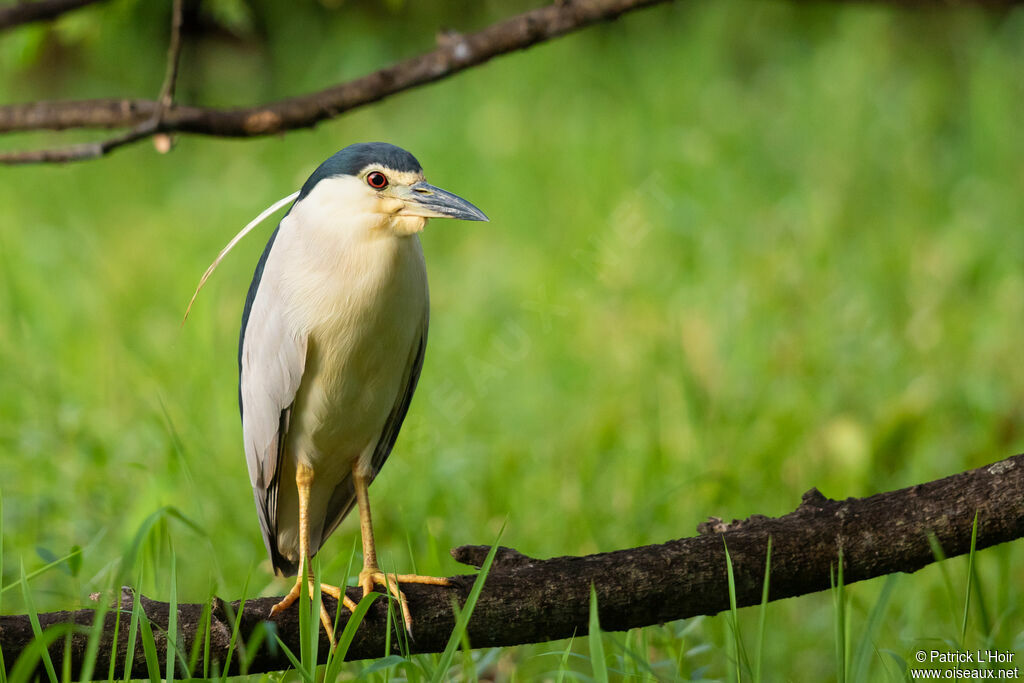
(367, 316)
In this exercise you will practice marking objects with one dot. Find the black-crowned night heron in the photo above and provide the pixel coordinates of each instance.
(331, 346)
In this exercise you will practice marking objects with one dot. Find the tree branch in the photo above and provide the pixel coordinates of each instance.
(149, 126)
(526, 600)
(166, 98)
(42, 10)
(455, 53)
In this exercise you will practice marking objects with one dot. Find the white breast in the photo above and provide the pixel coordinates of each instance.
(360, 293)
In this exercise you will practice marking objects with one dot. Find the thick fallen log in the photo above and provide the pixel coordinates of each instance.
(526, 600)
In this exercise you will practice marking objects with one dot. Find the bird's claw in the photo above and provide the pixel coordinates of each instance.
(339, 595)
(325, 618)
(391, 582)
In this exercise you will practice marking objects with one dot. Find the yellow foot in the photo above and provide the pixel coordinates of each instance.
(325, 619)
(369, 577)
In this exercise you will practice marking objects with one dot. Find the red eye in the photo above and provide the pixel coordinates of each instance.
(377, 180)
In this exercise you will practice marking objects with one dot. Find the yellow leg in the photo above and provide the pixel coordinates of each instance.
(303, 482)
(371, 573)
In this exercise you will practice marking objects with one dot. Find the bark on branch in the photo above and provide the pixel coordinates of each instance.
(455, 53)
(527, 600)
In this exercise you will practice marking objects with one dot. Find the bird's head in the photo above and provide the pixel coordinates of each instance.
(380, 186)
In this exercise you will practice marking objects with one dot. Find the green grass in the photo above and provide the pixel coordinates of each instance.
(598, 664)
(736, 250)
(971, 584)
(841, 624)
(737, 651)
(763, 617)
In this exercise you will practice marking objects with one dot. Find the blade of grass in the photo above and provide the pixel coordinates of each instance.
(333, 669)
(42, 570)
(970, 581)
(131, 555)
(92, 646)
(680, 654)
(416, 669)
(862, 658)
(468, 669)
(986, 624)
(390, 624)
(26, 666)
(299, 668)
(627, 656)
(632, 655)
(236, 623)
(252, 646)
(206, 637)
(597, 660)
(947, 580)
(307, 643)
(160, 515)
(467, 611)
(149, 648)
(202, 637)
(839, 603)
(3, 668)
(645, 647)
(979, 598)
(901, 666)
(37, 630)
(65, 659)
(563, 664)
(734, 616)
(636, 659)
(172, 619)
(312, 603)
(332, 655)
(412, 555)
(114, 638)
(763, 618)
(383, 664)
(133, 630)
(399, 628)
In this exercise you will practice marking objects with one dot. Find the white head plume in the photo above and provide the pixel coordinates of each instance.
(235, 240)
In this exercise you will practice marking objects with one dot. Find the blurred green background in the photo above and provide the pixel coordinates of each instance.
(736, 250)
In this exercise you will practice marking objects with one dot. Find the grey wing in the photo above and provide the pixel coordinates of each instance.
(271, 360)
(344, 496)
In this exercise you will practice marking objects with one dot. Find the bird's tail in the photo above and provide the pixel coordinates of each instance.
(343, 499)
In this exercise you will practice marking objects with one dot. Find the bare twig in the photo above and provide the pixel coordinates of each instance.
(42, 10)
(81, 151)
(526, 600)
(173, 57)
(162, 141)
(457, 54)
(148, 127)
